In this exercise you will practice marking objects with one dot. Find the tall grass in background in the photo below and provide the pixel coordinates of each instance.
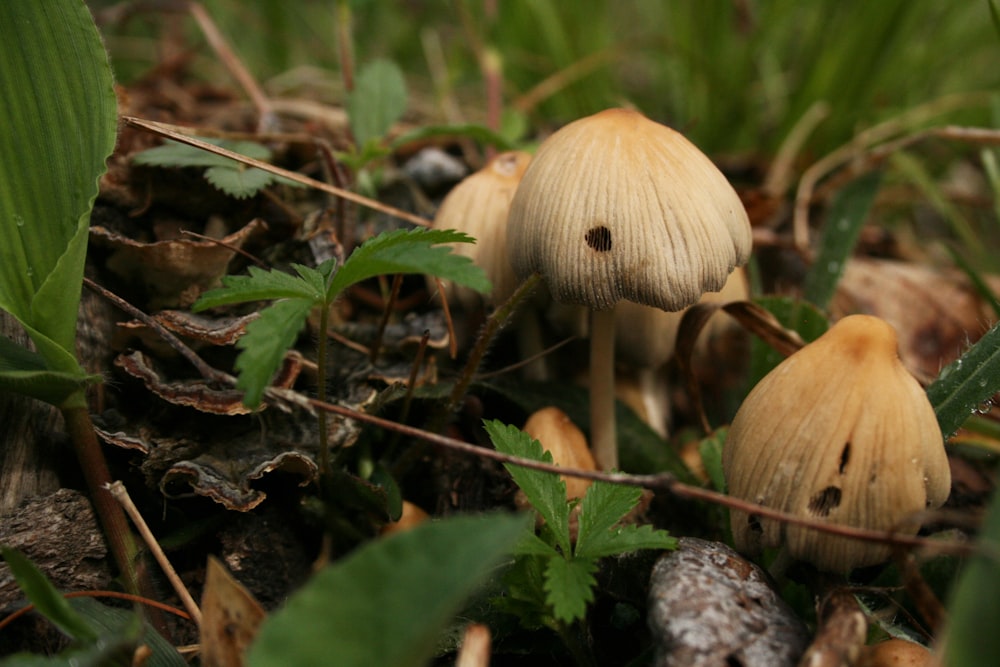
(735, 75)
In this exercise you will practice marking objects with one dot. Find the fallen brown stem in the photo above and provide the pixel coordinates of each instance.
(177, 133)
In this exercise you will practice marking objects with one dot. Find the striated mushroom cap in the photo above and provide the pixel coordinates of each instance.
(615, 206)
(478, 206)
(839, 431)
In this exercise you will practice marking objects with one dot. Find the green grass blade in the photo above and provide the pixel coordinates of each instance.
(387, 603)
(967, 383)
(60, 120)
(843, 224)
(972, 639)
(40, 591)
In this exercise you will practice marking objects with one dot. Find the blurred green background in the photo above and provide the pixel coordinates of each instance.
(734, 75)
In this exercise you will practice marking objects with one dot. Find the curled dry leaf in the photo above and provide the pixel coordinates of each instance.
(938, 314)
(897, 653)
(174, 272)
(708, 606)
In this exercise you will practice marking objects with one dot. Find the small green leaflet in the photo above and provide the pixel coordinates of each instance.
(569, 587)
(228, 176)
(545, 491)
(377, 102)
(270, 336)
(568, 580)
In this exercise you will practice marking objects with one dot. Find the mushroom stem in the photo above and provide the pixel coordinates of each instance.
(602, 389)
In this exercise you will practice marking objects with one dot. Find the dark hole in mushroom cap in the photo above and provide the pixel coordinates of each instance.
(844, 456)
(753, 522)
(825, 501)
(732, 660)
(599, 238)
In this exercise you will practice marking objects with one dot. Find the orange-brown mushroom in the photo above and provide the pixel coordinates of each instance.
(838, 431)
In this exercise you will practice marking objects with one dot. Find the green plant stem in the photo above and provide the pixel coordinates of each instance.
(324, 443)
(122, 543)
(486, 336)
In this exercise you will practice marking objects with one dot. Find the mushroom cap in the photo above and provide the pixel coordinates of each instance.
(615, 206)
(478, 206)
(839, 431)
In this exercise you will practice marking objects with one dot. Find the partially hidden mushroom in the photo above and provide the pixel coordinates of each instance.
(560, 436)
(478, 206)
(645, 339)
(617, 207)
(839, 431)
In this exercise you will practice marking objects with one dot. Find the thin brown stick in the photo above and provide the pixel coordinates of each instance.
(120, 494)
(177, 133)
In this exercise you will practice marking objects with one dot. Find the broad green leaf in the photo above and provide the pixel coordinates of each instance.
(410, 251)
(840, 233)
(569, 587)
(114, 621)
(59, 113)
(968, 383)
(603, 506)
(971, 637)
(260, 285)
(386, 603)
(377, 101)
(264, 344)
(624, 539)
(41, 593)
(545, 491)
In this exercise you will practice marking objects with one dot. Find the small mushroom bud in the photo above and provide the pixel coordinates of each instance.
(411, 517)
(838, 431)
(478, 206)
(567, 444)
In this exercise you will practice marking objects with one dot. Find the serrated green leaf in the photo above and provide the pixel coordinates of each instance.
(603, 506)
(545, 491)
(59, 113)
(264, 345)
(260, 285)
(41, 593)
(967, 383)
(569, 587)
(531, 544)
(410, 251)
(239, 182)
(377, 101)
(176, 154)
(386, 603)
(624, 539)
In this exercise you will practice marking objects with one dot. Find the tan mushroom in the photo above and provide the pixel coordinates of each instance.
(478, 206)
(615, 206)
(559, 435)
(838, 431)
(897, 653)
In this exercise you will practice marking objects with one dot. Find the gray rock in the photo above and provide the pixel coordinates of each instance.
(432, 168)
(708, 606)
